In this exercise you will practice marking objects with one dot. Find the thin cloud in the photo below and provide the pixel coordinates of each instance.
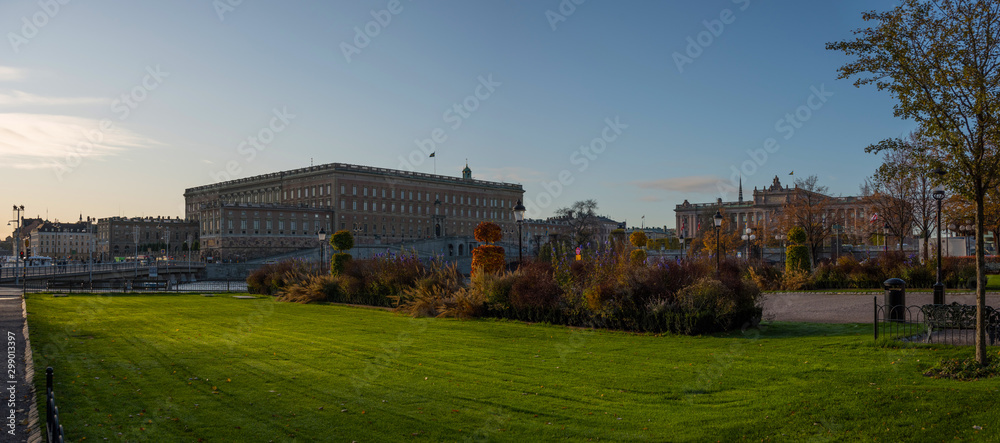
(37, 141)
(9, 74)
(20, 98)
(650, 198)
(701, 183)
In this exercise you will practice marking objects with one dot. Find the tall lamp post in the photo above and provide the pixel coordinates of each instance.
(748, 237)
(717, 220)
(17, 241)
(885, 238)
(322, 246)
(938, 195)
(519, 217)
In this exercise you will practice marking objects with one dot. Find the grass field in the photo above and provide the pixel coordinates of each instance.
(193, 368)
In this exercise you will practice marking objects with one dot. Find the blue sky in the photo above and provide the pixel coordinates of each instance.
(172, 92)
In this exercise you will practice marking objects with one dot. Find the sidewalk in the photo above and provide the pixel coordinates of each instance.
(12, 328)
(818, 307)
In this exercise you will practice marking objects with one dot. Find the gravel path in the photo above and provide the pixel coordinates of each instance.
(18, 393)
(847, 308)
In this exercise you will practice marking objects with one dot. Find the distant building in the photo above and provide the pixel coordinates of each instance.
(765, 210)
(379, 205)
(124, 237)
(63, 241)
(240, 231)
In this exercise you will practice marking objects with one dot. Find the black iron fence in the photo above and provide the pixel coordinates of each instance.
(952, 324)
(53, 430)
(130, 286)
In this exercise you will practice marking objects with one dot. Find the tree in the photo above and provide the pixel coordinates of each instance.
(729, 237)
(582, 219)
(891, 193)
(638, 239)
(940, 59)
(342, 240)
(808, 208)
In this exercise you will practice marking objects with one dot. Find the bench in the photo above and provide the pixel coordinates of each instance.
(956, 316)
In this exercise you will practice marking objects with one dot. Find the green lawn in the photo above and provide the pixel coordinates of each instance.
(191, 368)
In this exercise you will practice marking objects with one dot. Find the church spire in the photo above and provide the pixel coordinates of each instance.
(741, 189)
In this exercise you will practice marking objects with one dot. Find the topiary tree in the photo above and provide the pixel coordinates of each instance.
(489, 233)
(797, 253)
(638, 256)
(489, 258)
(638, 239)
(341, 240)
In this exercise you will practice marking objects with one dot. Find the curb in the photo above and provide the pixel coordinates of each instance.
(34, 425)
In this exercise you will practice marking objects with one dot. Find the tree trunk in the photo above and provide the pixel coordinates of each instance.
(980, 277)
(927, 246)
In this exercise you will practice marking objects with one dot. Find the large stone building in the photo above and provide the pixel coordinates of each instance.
(124, 237)
(62, 241)
(381, 206)
(765, 211)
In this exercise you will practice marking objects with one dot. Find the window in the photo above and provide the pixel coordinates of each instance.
(354, 205)
(411, 195)
(366, 204)
(418, 195)
(281, 226)
(383, 192)
(341, 203)
(341, 189)
(305, 227)
(354, 189)
(365, 189)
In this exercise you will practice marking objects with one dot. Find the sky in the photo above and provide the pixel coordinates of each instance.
(115, 107)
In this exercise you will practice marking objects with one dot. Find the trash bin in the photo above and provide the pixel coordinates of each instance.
(895, 299)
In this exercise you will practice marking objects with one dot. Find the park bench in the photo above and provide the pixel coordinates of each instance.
(956, 316)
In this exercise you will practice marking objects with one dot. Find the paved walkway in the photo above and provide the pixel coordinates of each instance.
(848, 308)
(17, 386)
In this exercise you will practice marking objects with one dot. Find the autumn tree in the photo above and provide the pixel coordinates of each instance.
(728, 236)
(582, 219)
(809, 208)
(940, 59)
(891, 191)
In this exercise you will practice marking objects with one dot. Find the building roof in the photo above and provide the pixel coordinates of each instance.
(346, 167)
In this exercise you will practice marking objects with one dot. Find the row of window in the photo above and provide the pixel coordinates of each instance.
(426, 210)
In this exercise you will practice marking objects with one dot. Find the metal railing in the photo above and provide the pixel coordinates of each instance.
(12, 272)
(911, 323)
(53, 430)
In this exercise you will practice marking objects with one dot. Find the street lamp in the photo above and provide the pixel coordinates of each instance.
(885, 238)
(322, 245)
(938, 195)
(16, 247)
(717, 219)
(748, 237)
(782, 238)
(519, 218)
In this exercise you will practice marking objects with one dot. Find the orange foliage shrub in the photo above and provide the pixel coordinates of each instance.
(488, 232)
(489, 258)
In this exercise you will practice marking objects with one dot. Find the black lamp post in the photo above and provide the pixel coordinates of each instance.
(938, 195)
(717, 219)
(321, 236)
(885, 238)
(519, 217)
